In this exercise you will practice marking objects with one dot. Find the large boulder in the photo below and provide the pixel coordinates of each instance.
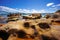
(33, 16)
(56, 14)
(13, 17)
(36, 15)
(47, 16)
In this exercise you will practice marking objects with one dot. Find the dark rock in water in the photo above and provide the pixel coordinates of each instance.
(48, 38)
(21, 34)
(4, 35)
(44, 25)
(26, 25)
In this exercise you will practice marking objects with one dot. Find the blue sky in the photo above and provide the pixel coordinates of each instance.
(32, 5)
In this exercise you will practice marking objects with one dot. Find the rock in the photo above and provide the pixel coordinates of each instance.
(47, 16)
(33, 16)
(57, 12)
(13, 17)
(26, 25)
(21, 34)
(44, 26)
(4, 35)
(48, 38)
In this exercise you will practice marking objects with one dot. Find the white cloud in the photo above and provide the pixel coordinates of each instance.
(7, 9)
(28, 11)
(49, 4)
(24, 10)
(56, 5)
(54, 8)
(53, 5)
(31, 11)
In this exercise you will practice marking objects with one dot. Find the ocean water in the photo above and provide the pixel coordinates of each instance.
(23, 14)
(3, 15)
(26, 14)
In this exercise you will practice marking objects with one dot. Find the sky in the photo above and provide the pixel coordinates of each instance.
(31, 6)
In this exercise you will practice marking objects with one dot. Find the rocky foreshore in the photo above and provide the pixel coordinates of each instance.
(32, 27)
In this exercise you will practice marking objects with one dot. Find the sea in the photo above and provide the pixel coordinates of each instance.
(23, 14)
(26, 14)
